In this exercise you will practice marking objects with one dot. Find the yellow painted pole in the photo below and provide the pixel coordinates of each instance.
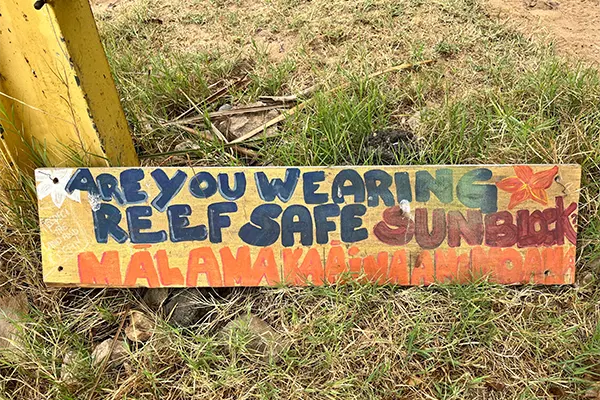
(56, 90)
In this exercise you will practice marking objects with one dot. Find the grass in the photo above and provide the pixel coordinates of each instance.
(493, 96)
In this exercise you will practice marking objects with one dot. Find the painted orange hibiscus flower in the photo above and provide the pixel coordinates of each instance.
(528, 185)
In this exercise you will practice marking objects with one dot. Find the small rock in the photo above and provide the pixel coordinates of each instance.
(265, 340)
(557, 391)
(415, 121)
(542, 5)
(587, 280)
(593, 392)
(237, 124)
(154, 298)
(117, 356)
(225, 107)
(68, 368)
(187, 145)
(140, 328)
(187, 307)
(12, 309)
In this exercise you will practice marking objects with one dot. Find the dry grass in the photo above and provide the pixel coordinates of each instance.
(493, 96)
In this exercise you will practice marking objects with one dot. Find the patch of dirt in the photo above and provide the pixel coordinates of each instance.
(386, 143)
(573, 24)
(189, 28)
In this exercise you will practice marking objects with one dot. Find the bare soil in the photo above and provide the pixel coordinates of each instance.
(573, 25)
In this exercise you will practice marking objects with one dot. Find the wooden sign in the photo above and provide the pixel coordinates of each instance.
(407, 225)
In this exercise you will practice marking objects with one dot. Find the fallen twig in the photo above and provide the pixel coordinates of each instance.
(218, 94)
(244, 110)
(294, 97)
(225, 113)
(217, 83)
(107, 359)
(206, 136)
(297, 108)
(268, 124)
(213, 128)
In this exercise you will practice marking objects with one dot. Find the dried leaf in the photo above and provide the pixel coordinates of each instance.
(414, 381)
(593, 393)
(557, 391)
(495, 385)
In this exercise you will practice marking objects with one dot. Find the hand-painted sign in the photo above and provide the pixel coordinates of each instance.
(407, 225)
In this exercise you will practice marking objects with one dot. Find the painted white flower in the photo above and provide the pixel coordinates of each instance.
(52, 182)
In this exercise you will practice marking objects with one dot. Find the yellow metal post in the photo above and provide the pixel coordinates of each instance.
(56, 89)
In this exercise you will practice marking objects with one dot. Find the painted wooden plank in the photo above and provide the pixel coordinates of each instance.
(407, 225)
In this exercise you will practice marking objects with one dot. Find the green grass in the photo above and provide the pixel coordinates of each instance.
(493, 96)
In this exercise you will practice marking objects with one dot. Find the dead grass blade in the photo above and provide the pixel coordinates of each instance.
(241, 82)
(401, 67)
(35, 108)
(218, 133)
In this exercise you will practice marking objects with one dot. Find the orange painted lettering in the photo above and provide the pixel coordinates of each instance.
(236, 268)
(422, 272)
(265, 267)
(376, 270)
(533, 262)
(291, 273)
(141, 266)
(168, 276)
(554, 267)
(107, 271)
(312, 266)
(202, 260)
(336, 264)
(398, 272)
(450, 267)
(509, 266)
(482, 264)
